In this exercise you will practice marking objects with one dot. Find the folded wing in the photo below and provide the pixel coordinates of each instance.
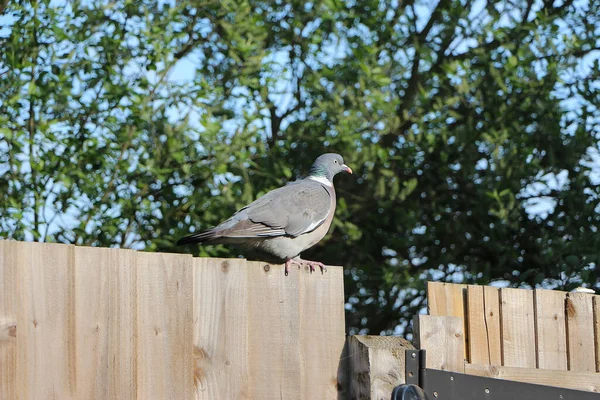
(292, 210)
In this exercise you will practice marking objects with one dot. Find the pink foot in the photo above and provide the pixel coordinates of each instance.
(313, 264)
(288, 263)
(300, 262)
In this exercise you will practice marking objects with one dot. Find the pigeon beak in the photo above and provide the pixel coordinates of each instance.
(347, 169)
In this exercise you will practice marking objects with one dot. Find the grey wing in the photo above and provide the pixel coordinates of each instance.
(297, 208)
(290, 210)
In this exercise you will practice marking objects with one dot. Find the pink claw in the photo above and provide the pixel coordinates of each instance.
(288, 263)
(300, 262)
(312, 264)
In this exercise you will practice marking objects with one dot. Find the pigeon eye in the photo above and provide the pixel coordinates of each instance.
(335, 161)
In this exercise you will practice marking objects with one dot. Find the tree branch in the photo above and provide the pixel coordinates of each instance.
(3, 5)
(32, 128)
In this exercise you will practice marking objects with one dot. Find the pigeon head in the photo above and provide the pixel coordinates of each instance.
(327, 166)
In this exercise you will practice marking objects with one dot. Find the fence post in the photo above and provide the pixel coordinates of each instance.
(375, 366)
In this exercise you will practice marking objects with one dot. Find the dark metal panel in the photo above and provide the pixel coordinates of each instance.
(444, 385)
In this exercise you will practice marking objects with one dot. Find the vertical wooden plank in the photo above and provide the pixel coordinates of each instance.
(442, 337)
(518, 331)
(479, 352)
(492, 316)
(322, 331)
(105, 323)
(274, 333)
(165, 326)
(483, 320)
(448, 299)
(8, 319)
(550, 329)
(221, 329)
(45, 321)
(596, 304)
(580, 332)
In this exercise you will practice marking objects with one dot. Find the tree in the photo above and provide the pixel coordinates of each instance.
(456, 118)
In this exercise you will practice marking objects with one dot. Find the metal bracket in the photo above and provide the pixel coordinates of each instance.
(444, 385)
(412, 367)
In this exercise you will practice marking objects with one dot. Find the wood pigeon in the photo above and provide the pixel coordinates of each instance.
(285, 221)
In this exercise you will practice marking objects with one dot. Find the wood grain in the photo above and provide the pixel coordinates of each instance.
(274, 332)
(376, 365)
(45, 321)
(565, 379)
(8, 319)
(105, 321)
(518, 330)
(483, 321)
(80, 322)
(550, 329)
(165, 361)
(322, 331)
(448, 299)
(221, 329)
(596, 304)
(442, 337)
(580, 332)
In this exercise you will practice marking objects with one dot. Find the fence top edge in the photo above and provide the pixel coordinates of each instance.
(162, 253)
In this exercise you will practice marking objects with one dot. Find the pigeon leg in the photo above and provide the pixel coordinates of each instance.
(290, 262)
(312, 264)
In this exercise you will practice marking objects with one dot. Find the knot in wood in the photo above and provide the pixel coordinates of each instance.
(225, 266)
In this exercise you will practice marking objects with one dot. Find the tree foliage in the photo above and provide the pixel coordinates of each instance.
(129, 123)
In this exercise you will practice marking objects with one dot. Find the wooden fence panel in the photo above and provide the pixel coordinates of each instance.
(274, 332)
(221, 329)
(78, 322)
(518, 331)
(442, 338)
(448, 299)
(105, 323)
(596, 303)
(164, 326)
(283, 326)
(580, 329)
(322, 331)
(45, 321)
(536, 336)
(550, 327)
(483, 321)
(8, 319)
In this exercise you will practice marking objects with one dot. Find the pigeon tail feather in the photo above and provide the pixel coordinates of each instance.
(199, 237)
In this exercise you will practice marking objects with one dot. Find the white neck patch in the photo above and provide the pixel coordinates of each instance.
(322, 180)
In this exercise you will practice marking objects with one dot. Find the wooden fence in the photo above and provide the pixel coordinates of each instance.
(96, 323)
(537, 336)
